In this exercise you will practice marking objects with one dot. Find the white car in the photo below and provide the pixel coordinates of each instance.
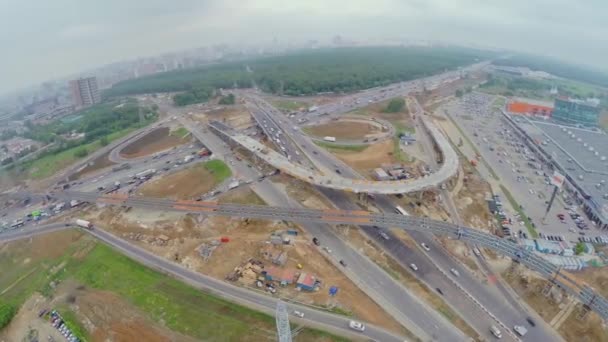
(356, 325)
(298, 313)
(414, 267)
(455, 272)
(425, 246)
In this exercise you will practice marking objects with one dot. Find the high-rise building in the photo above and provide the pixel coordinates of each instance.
(85, 92)
(577, 112)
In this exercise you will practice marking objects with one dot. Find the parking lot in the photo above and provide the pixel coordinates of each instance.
(520, 172)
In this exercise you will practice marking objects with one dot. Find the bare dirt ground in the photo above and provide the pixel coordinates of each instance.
(528, 285)
(596, 277)
(110, 318)
(303, 193)
(105, 315)
(184, 184)
(401, 120)
(236, 116)
(471, 202)
(368, 159)
(343, 129)
(96, 164)
(241, 195)
(27, 326)
(180, 238)
(157, 140)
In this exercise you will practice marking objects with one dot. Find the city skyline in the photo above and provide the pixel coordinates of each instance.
(72, 36)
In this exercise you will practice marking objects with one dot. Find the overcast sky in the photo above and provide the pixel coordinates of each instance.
(52, 38)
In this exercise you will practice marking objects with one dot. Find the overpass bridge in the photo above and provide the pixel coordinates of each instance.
(328, 179)
(590, 299)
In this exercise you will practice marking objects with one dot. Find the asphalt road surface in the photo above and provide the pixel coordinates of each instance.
(250, 298)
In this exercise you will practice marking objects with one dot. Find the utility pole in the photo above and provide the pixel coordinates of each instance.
(282, 318)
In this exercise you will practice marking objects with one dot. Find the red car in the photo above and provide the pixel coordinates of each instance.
(560, 216)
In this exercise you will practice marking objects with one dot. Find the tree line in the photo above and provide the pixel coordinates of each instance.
(556, 68)
(305, 72)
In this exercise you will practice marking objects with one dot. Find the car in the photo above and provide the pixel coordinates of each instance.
(298, 313)
(425, 246)
(356, 325)
(455, 272)
(531, 321)
(342, 263)
(414, 267)
(316, 241)
(439, 291)
(384, 236)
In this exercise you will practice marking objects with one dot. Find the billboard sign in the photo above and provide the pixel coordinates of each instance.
(557, 179)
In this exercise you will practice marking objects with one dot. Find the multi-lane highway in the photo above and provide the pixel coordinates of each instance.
(334, 179)
(405, 308)
(256, 300)
(507, 312)
(298, 151)
(502, 246)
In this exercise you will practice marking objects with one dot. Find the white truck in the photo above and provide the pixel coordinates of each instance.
(74, 203)
(520, 330)
(188, 159)
(332, 139)
(233, 185)
(84, 224)
(145, 174)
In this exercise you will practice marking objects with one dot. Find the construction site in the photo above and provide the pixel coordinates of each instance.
(274, 257)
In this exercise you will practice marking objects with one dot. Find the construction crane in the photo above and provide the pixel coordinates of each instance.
(283, 328)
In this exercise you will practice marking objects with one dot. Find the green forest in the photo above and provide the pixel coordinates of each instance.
(305, 72)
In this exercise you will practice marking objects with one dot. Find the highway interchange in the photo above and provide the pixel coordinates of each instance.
(407, 309)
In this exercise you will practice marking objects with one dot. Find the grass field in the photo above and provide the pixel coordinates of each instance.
(49, 165)
(27, 266)
(181, 132)
(181, 307)
(398, 152)
(338, 147)
(219, 169)
(288, 105)
(188, 183)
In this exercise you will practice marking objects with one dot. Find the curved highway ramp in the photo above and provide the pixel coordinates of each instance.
(334, 181)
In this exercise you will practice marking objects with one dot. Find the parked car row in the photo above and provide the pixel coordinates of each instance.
(58, 323)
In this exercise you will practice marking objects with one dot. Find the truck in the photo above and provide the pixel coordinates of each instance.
(233, 185)
(328, 138)
(121, 167)
(145, 174)
(74, 203)
(188, 159)
(84, 224)
(520, 330)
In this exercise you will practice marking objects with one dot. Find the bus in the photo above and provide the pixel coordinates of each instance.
(401, 211)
